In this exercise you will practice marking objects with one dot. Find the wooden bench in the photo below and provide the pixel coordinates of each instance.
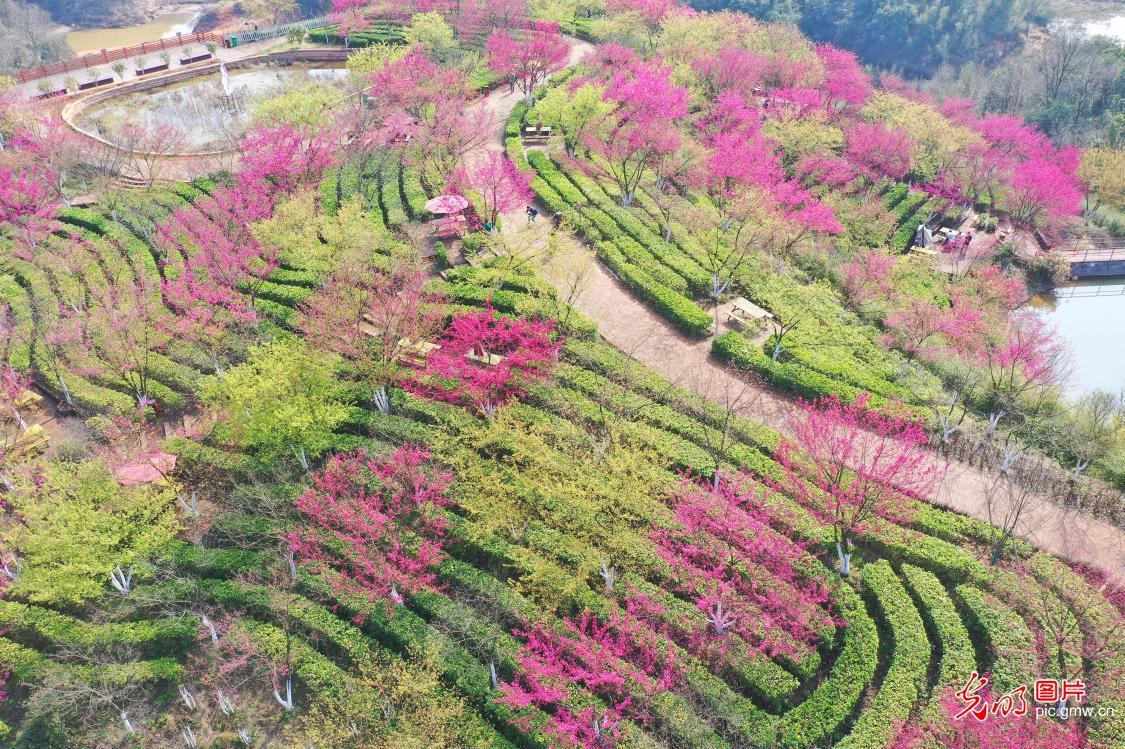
(450, 228)
(533, 134)
(413, 353)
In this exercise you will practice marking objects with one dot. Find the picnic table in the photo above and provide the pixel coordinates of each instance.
(414, 353)
(30, 440)
(743, 313)
(28, 400)
(484, 357)
(536, 134)
(448, 228)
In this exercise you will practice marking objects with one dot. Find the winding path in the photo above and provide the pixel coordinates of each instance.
(638, 331)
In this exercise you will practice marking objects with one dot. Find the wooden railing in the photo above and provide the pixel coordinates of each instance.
(107, 56)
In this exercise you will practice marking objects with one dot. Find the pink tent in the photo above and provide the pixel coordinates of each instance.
(447, 204)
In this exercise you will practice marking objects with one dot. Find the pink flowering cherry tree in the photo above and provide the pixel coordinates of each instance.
(849, 464)
(372, 316)
(375, 523)
(879, 151)
(501, 185)
(529, 58)
(642, 129)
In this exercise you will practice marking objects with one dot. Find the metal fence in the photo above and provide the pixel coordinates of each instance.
(107, 56)
(245, 37)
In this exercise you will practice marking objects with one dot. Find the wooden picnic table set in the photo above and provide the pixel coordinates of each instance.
(413, 353)
(745, 313)
(30, 439)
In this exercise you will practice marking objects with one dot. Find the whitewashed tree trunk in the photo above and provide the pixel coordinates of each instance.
(1079, 466)
(287, 701)
(994, 421)
(381, 400)
(845, 558)
(609, 576)
(121, 580)
(302, 458)
(210, 628)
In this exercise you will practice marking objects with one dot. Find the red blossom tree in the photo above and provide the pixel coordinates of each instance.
(741, 574)
(845, 83)
(12, 384)
(206, 315)
(1024, 357)
(375, 522)
(848, 463)
(618, 660)
(1042, 193)
(115, 336)
(529, 59)
(501, 185)
(486, 360)
(865, 277)
(878, 151)
(730, 69)
(278, 160)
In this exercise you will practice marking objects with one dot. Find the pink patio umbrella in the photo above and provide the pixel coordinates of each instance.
(447, 204)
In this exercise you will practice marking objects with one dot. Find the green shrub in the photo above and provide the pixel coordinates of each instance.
(821, 716)
(682, 312)
(957, 655)
(790, 376)
(910, 656)
(329, 200)
(415, 196)
(895, 196)
(1010, 644)
(441, 255)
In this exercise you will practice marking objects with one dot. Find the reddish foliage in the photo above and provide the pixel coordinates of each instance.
(848, 463)
(879, 151)
(527, 351)
(529, 59)
(846, 83)
(618, 660)
(376, 522)
(371, 316)
(730, 69)
(278, 160)
(726, 557)
(502, 186)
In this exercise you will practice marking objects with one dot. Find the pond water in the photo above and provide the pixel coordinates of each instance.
(196, 106)
(1090, 315)
(93, 40)
(1113, 27)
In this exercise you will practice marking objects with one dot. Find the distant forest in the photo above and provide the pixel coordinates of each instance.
(915, 38)
(1071, 86)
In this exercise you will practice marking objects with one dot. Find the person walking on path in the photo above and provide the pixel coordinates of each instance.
(532, 214)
